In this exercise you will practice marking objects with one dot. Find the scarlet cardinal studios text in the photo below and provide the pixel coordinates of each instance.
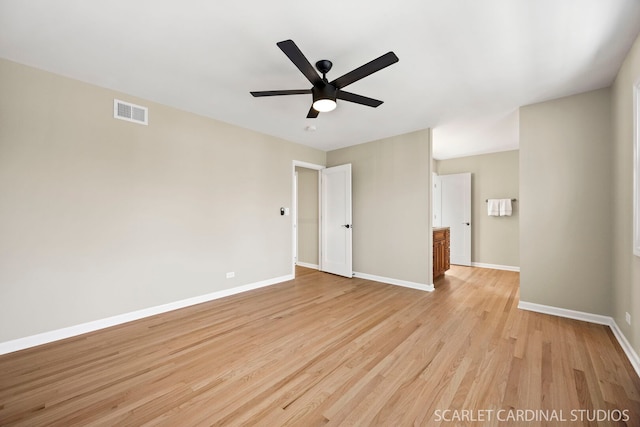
(530, 415)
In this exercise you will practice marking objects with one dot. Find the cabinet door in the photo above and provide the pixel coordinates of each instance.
(438, 258)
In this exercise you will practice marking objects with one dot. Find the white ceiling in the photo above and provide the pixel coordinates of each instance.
(465, 65)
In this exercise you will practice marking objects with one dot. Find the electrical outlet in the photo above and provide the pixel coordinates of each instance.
(627, 317)
(231, 275)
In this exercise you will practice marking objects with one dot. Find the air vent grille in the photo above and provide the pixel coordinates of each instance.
(130, 112)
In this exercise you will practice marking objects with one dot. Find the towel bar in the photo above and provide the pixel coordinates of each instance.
(513, 200)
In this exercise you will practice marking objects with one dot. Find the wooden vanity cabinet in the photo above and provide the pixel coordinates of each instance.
(440, 251)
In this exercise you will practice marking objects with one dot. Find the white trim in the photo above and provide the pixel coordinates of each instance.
(636, 169)
(398, 282)
(294, 216)
(83, 328)
(307, 265)
(591, 318)
(626, 346)
(495, 266)
(563, 312)
(307, 165)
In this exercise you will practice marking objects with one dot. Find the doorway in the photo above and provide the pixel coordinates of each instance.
(306, 218)
(455, 204)
(321, 218)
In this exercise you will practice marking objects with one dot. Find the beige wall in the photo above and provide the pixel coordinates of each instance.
(308, 216)
(391, 206)
(100, 217)
(494, 240)
(626, 266)
(565, 203)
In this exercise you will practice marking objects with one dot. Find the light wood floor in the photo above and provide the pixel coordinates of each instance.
(327, 350)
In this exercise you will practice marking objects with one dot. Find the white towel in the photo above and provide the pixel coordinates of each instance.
(505, 207)
(493, 207)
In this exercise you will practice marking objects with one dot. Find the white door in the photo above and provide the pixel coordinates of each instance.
(336, 226)
(456, 214)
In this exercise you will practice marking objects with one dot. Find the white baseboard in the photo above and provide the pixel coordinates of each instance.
(626, 346)
(398, 282)
(83, 328)
(591, 318)
(563, 312)
(307, 265)
(495, 266)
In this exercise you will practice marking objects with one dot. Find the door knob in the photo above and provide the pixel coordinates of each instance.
(348, 226)
(466, 223)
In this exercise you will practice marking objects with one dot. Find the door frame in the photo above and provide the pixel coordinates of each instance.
(294, 204)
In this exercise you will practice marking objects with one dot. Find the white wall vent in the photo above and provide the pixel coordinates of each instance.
(130, 112)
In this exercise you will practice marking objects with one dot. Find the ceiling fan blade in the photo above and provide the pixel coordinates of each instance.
(312, 113)
(358, 99)
(363, 71)
(299, 60)
(281, 92)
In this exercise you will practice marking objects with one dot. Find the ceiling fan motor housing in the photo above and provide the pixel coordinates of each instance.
(326, 91)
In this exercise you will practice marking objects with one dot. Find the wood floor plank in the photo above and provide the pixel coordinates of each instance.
(326, 350)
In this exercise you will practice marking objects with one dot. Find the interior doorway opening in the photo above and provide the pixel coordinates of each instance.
(306, 218)
(322, 218)
(306, 215)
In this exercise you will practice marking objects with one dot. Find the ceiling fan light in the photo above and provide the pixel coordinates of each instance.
(324, 105)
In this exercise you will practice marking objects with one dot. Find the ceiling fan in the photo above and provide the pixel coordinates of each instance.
(325, 93)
